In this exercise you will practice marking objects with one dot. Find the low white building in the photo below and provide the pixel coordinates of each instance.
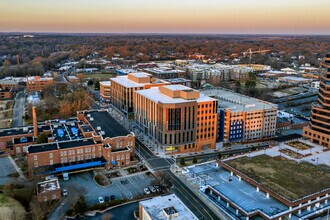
(164, 208)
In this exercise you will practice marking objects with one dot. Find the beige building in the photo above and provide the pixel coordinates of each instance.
(318, 130)
(123, 87)
(105, 87)
(177, 117)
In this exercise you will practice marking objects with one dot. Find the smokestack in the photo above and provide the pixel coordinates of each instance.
(35, 122)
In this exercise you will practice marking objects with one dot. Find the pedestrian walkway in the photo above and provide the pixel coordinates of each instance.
(18, 170)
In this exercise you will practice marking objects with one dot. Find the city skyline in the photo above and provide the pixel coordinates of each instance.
(146, 16)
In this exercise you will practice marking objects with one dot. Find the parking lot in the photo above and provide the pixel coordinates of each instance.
(6, 168)
(125, 187)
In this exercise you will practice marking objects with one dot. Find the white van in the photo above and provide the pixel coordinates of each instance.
(65, 176)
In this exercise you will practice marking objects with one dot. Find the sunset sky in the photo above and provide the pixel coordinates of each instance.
(167, 16)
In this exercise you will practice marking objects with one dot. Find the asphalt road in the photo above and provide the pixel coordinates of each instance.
(18, 110)
(193, 202)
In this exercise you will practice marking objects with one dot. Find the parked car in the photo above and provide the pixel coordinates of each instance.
(147, 191)
(64, 192)
(157, 187)
(101, 200)
(152, 189)
(107, 198)
(112, 197)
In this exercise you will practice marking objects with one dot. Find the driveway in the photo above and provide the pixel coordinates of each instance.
(6, 168)
(85, 182)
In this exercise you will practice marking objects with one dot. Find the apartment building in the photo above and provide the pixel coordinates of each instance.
(177, 117)
(123, 87)
(318, 130)
(105, 92)
(37, 83)
(242, 118)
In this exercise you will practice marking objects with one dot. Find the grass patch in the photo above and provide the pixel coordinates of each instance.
(100, 76)
(10, 208)
(300, 146)
(286, 177)
(291, 153)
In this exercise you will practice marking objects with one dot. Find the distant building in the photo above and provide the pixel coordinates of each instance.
(164, 208)
(37, 83)
(177, 117)
(319, 129)
(165, 72)
(48, 190)
(72, 79)
(124, 72)
(315, 84)
(123, 87)
(179, 81)
(242, 118)
(105, 93)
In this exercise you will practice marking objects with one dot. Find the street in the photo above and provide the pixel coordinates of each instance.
(18, 110)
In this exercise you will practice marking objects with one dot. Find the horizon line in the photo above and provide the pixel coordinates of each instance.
(161, 33)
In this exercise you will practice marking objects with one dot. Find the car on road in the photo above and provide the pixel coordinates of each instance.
(101, 200)
(147, 190)
(152, 189)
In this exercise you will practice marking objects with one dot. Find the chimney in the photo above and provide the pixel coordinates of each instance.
(35, 122)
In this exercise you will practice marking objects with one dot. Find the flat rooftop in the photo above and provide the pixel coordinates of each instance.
(178, 80)
(124, 81)
(59, 145)
(107, 123)
(105, 83)
(236, 102)
(47, 186)
(288, 178)
(240, 193)
(163, 70)
(156, 95)
(22, 130)
(155, 207)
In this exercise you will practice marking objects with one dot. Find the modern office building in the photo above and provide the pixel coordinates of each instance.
(164, 208)
(178, 118)
(105, 92)
(123, 87)
(319, 129)
(37, 83)
(242, 118)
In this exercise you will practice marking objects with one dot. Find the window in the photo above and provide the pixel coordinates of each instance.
(50, 155)
(51, 162)
(35, 157)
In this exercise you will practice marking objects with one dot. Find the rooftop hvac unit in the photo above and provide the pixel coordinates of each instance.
(102, 133)
(25, 129)
(98, 128)
(55, 126)
(88, 115)
(91, 119)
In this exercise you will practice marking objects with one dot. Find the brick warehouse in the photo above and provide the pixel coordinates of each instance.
(93, 139)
